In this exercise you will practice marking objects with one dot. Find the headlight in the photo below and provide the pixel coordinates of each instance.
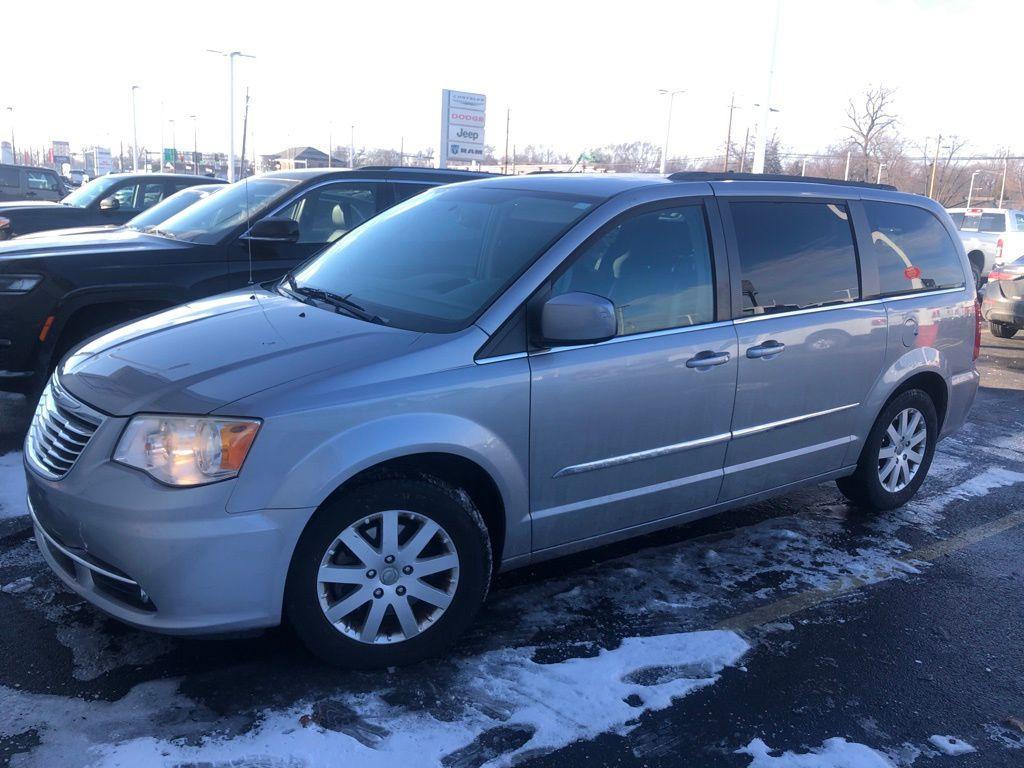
(19, 283)
(186, 450)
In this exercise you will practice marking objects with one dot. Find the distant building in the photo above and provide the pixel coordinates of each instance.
(298, 157)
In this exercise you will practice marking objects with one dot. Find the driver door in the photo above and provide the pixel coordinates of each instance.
(324, 214)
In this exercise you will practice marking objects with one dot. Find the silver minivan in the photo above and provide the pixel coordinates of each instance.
(489, 375)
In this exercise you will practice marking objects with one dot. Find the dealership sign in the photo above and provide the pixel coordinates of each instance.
(463, 116)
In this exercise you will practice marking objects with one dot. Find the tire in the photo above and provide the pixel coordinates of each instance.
(865, 487)
(976, 271)
(1002, 330)
(377, 586)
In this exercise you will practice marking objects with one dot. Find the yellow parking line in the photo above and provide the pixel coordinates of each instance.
(799, 602)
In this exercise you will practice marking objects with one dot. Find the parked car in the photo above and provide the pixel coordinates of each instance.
(76, 177)
(489, 375)
(61, 290)
(991, 236)
(24, 182)
(111, 199)
(149, 218)
(1003, 304)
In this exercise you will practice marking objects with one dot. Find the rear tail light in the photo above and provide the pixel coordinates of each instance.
(995, 274)
(977, 329)
(999, 250)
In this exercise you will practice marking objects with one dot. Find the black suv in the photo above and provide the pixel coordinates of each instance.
(27, 182)
(111, 199)
(56, 292)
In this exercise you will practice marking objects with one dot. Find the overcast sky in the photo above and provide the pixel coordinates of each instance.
(574, 74)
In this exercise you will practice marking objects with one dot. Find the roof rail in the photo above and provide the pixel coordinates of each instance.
(417, 168)
(730, 176)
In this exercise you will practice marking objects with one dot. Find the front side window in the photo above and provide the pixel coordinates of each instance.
(89, 193)
(151, 195)
(328, 212)
(794, 255)
(654, 267)
(913, 250)
(209, 220)
(404, 190)
(436, 261)
(41, 180)
(126, 197)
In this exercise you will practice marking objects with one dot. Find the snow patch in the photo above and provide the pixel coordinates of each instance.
(950, 745)
(833, 753)
(12, 485)
(504, 697)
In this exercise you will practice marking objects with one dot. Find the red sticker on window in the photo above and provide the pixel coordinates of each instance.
(912, 273)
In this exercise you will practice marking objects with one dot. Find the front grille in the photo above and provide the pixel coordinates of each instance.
(61, 428)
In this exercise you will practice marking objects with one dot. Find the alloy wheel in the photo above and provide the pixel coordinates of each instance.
(902, 450)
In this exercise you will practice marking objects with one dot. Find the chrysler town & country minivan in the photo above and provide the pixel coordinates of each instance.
(492, 374)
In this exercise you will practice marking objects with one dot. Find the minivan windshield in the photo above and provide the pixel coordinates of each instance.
(211, 219)
(90, 192)
(436, 261)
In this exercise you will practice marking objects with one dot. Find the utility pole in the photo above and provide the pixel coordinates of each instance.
(668, 123)
(174, 147)
(508, 120)
(746, 143)
(935, 164)
(195, 142)
(728, 131)
(762, 135)
(881, 167)
(135, 132)
(352, 148)
(1002, 187)
(231, 56)
(245, 130)
(14, 153)
(803, 167)
(401, 153)
(330, 145)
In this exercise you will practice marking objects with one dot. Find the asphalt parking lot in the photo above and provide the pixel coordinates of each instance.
(795, 627)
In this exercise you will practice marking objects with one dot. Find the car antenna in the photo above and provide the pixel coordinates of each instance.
(245, 181)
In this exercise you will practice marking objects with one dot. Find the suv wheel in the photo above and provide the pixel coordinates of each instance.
(1002, 330)
(896, 454)
(389, 574)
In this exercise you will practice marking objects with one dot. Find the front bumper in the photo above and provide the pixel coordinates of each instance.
(166, 559)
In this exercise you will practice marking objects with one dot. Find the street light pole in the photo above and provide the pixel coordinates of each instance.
(935, 163)
(878, 178)
(728, 131)
(761, 147)
(135, 132)
(14, 153)
(231, 55)
(1002, 187)
(174, 147)
(970, 190)
(195, 141)
(668, 123)
(352, 148)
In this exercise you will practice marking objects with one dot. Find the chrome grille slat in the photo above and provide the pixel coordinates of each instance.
(61, 429)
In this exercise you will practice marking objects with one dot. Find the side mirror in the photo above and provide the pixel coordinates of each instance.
(576, 318)
(275, 229)
(109, 204)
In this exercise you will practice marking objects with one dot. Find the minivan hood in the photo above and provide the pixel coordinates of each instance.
(200, 356)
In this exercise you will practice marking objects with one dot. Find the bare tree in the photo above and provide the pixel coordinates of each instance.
(868, 118)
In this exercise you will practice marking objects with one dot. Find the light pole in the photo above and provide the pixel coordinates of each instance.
(195, 141)
(762, 137)
(970, 190)
(174, 147)
(231, 55)
(352, 148)
(668, 122)
(878, 178)
(330, 144)
(14, 154)
(135, 132)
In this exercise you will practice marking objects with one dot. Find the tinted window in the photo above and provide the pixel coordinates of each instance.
(655, 267)
(326, 213)
(9, 178)
(211, 219)
(41, 180)
(126, 196)
(971, 222)
(914, 251)
(89, 193)
(437, 260)
(151, 195)
(404, 190)
(794, 255)
(1020, 221)
(958, 218)
(169, 206)
(992, 222)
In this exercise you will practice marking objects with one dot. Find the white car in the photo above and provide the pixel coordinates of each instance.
(990, 236)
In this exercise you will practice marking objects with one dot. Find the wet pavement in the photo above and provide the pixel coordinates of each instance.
(793, 621)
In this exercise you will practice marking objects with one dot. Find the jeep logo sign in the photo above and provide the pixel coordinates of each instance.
(463, 116)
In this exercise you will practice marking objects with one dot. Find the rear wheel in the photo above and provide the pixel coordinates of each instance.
(389, 574)
(1003, 330)
(896, 455)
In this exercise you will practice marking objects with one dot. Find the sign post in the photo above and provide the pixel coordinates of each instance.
(463, 116)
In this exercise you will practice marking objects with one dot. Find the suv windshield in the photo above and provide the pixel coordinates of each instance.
(88, 193)
(209, 220)
(436, 261)
(174, 204)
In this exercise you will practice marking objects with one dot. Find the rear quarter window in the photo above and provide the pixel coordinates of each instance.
(10, 178)
(958, 219)
(914, 252)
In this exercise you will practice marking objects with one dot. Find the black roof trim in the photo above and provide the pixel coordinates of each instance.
(423, 169)
(729, 176)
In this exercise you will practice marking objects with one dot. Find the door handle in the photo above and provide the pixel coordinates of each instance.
(30, 193)
(766, 351)
(706, 359)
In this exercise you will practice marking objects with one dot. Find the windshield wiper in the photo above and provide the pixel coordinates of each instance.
(336, 300)
(161, 232)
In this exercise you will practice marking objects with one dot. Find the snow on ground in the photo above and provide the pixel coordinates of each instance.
(950, 745)
(833, 753)
(505, 698)
(12, 485)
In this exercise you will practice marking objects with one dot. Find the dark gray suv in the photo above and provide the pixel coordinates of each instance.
(492, 374)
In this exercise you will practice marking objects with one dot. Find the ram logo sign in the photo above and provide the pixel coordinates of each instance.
(463, 116)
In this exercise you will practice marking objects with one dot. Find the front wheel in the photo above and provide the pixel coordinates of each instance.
(390, 573)
(1002, 330)
(896, 455)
